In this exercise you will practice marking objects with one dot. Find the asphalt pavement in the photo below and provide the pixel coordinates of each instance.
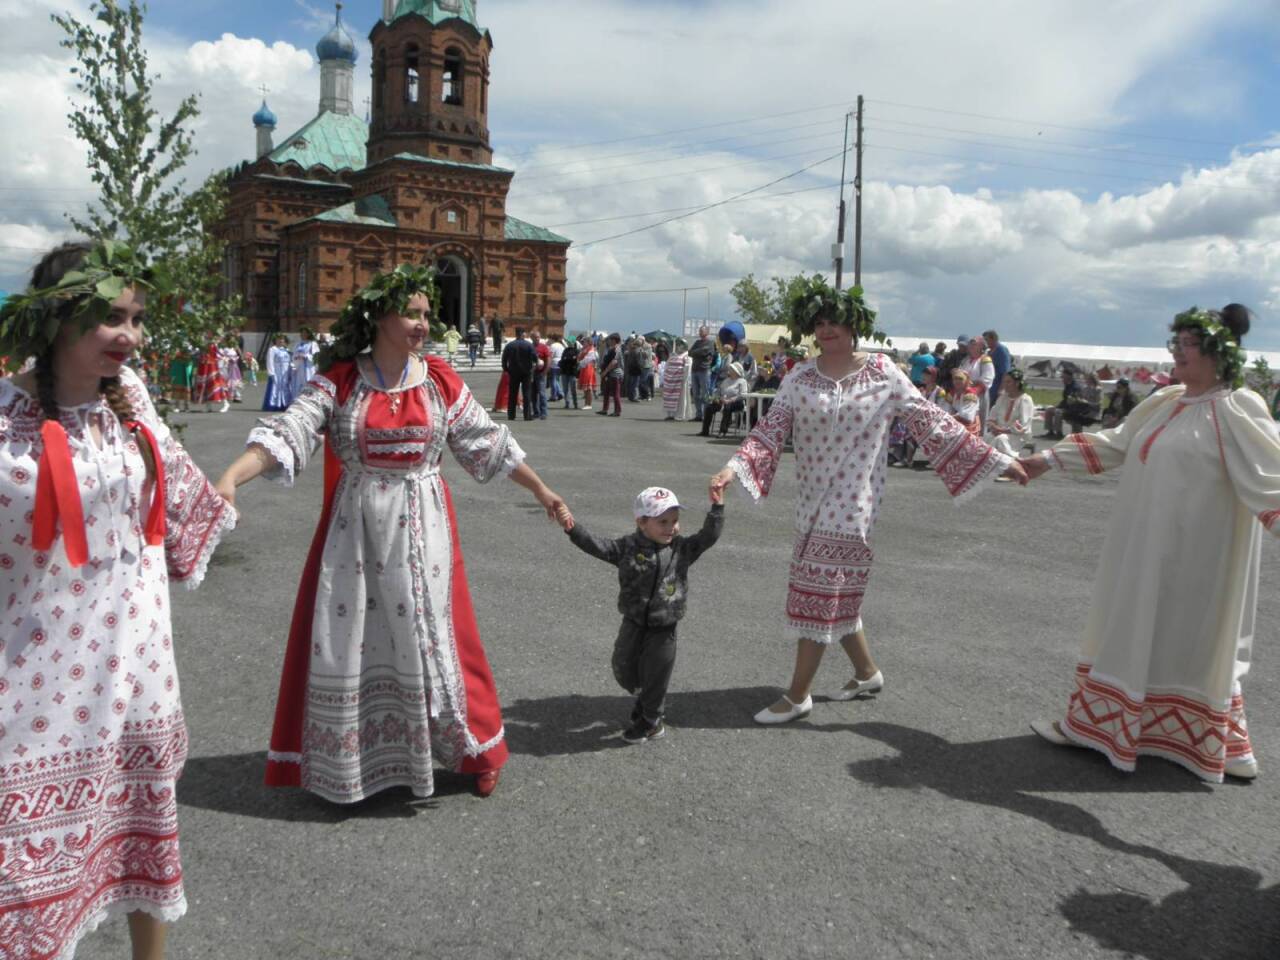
(927, 821)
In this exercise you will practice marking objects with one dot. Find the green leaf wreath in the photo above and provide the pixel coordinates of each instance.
(1217, 341)
(30, 321)
(386, 293)
(812, 298)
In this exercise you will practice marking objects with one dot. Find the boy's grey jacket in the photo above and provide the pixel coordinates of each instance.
(653, 579)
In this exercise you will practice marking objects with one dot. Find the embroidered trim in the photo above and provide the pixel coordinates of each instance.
(1146, 446)
(1092, 462)
(1269, 520)
(277, 757)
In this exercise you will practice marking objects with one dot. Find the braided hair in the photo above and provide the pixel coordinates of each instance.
(52, 267)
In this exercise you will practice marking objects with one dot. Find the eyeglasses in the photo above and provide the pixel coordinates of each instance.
(1177, 344)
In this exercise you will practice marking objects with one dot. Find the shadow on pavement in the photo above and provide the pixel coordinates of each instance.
(232, 783)
(556, 726)
(1223, 912)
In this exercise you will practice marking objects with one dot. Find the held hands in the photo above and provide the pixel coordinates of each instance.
(1034, 467)
(718, 484)
(1016, 471)
(557, 509)
(226, 487)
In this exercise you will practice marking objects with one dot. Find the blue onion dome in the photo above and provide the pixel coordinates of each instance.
(264, 117)
(337, 43)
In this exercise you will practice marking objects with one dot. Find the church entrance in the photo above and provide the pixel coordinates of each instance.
(453, 277)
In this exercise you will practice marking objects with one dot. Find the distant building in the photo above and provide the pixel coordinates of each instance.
(312, 220)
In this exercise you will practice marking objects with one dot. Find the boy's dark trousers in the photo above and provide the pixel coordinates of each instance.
(643, 658)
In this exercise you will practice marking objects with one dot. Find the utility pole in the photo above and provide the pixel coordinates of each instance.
(837, 249)
(857, 204)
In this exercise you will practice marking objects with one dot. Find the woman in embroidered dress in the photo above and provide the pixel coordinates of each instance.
(838, 410)
(304, 362)
(1012, 415)
(209, 387)
(964, 403)
(675, 383)
(277, 395)
(587, 361)
(384, 670)
(102, 510)
(229, 355)
(1168, 633)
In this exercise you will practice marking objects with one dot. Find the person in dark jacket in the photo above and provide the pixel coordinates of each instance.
(475, 342)
(653, 584)
(702, 355)
(519, 362)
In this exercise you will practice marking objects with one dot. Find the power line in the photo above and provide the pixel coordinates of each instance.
(654, 213)
(1074, 173)
(668, 176)
(1048, 153)
(711, 206)
(1045, 123)
(844, 104)
(1040, 140)
(676, 159)
(650, 150)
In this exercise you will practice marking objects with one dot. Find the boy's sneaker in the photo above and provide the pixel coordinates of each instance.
(642, 732)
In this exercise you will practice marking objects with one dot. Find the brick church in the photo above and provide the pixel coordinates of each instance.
(312, 219)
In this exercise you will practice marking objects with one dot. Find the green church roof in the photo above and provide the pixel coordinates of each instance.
(441, 162)
(438, 11)
(517, 229)
(370, 211)
(332, 140)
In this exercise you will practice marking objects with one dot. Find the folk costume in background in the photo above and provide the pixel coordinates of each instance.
(1169, 630)
(304, 367)
(210, 387)
(840, 432)
(229, 364)
(676, 376)
(384, 671)
(1015, 415)
(182, 373)
(91, 760)
(279, 372)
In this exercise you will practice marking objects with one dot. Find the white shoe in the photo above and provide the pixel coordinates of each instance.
(1242, 769)
(797, 711)
(225, 407)
(1049, 730)
(873, 684)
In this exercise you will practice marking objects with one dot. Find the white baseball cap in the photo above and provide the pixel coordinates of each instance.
(654, 502)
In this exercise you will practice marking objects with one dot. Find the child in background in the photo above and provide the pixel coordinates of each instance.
(653, 579)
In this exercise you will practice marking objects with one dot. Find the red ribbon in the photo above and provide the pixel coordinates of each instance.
(58, 496)
(155, 527)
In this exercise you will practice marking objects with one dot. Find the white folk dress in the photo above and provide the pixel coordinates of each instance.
(675, 386)
(840, 431)
(1170, 628)
(1016, 415)
(92, 738)
(384, 670)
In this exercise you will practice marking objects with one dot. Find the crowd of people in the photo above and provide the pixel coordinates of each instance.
(384, 675)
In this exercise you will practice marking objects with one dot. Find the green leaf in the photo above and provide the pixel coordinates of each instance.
(110, 288)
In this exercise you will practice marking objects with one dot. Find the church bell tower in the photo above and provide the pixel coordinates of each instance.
(430, 82)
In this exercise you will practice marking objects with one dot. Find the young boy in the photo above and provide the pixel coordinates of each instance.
(653, 579)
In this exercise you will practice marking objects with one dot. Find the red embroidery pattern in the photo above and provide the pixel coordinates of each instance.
(829, 576)
(1270, 519)
(1178, 728)
(1092, 462)
(1146, 447)
(86, 829)
(960, 459)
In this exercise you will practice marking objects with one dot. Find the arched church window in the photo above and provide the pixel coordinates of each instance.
(451, 86)
(379, 80)
(412, 78)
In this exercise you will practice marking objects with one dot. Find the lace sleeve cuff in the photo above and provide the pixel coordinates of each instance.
(284, 463)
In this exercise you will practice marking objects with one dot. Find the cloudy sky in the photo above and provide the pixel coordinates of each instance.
(1067, 171)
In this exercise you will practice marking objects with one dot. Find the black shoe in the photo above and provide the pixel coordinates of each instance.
(602, 413)
(618, 414)
(641, 732)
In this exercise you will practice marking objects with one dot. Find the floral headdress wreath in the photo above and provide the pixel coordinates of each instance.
(386, 293)
(30, 321)
(812, 297)
(1216, 340)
